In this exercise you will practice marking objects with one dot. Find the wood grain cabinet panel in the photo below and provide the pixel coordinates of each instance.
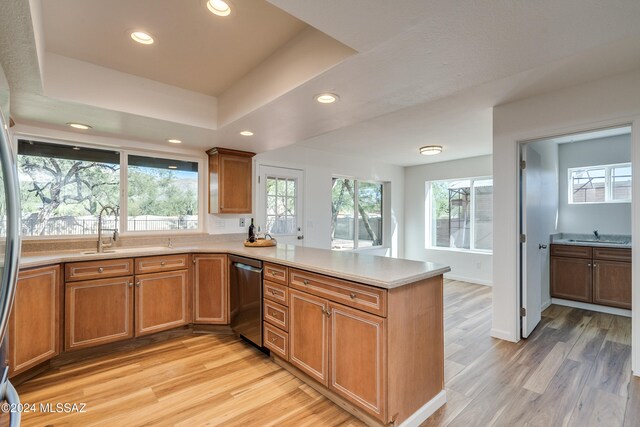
(571, 278)
(612, 254)
(34, 325)
(276, 314)
(154, 264)
(88, 270)
(309, 335)
(211, 287)
(275, 292)
(571, 251)
(612, 283)
(276, 340)
(98, 312)
(357, 360)
(161, 301)
(230, 181)
(276, 273)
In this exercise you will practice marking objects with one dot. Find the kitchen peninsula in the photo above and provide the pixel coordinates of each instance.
(365, 331)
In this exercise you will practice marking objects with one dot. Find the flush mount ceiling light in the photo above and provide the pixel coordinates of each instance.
(173, 167)
(174, 141)
(79, 126)
(142, 37)
(431, 150)
(246, 133)
(219, 7)
(326, 98)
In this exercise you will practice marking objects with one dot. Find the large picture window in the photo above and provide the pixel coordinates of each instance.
(461, 214)
(64, 187)
(356, 214)
(600, 184)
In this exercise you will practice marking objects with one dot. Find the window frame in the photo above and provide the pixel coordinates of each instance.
(385, 201)
(124, 187)
(429, 217)
(608, 183)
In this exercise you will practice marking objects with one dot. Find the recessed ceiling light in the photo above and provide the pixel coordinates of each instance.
(173, 167)
(219, 7)
(431, 150)
(327, 98)
(174, 141)
(142, 37)
(246, 133)
(79, 126)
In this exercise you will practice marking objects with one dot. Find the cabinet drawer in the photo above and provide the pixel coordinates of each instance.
(276, 292)
(154, 264)
(572, 251)
(276, 314)
(88, 270)
(612, 254)
(367, 298)
(276, 340)
(276, 273)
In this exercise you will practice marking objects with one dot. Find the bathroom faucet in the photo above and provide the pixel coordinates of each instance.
(595, 233)
(107, 210)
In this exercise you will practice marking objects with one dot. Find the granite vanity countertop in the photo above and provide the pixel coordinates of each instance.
(379, 271)
(605, 240)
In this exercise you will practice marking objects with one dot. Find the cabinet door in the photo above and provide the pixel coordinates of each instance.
(357, 357)
(98, 312)
(211, 289)
(571, 278)
(308, 335)
(612, 283)
(34, 328)
(161, 301)
(234, 184)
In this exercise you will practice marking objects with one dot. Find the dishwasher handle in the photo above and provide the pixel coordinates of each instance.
(247, 267)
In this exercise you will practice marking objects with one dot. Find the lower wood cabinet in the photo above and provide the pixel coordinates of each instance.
(34, 325)
(211, 289)
(571, 278)
(612, 283)
(161, 301)
(98, 312)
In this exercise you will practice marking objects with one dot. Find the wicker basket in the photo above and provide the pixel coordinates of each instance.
(261, 243)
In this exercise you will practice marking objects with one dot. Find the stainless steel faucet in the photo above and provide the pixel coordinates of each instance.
(595, 233)
(107, 210)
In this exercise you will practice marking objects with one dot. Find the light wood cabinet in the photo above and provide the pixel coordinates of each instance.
(230, 181)
(34, 325)
(161, 301)
(309, 335)
(357, 359)
(98, 312)
(599, 275)
(211, 289)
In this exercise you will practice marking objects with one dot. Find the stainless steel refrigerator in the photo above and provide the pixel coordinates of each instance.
(9, 246)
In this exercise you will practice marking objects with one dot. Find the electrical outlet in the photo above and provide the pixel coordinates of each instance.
(242, 222)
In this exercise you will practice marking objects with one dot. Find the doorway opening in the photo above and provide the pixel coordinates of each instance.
(575, 226)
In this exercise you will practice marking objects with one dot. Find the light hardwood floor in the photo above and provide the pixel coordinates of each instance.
(574, 370)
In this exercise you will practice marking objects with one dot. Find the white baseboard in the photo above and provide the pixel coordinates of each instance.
(468, 279)
(592, 307)
(503, 335)
(425, 411)
(545, 305)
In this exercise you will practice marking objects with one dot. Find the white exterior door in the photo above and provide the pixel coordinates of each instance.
(280, 203)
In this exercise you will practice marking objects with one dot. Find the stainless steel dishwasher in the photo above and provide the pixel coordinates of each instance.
(246, 298)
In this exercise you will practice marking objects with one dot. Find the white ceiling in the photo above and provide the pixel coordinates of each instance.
(427, 72)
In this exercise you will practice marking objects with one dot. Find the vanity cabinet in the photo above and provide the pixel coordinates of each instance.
(211, 288)
(34, 324)
(598, 275)
(230, 181)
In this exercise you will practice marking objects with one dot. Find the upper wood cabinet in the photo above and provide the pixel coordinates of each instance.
(34, 325)
(211, 299)
(230, 181)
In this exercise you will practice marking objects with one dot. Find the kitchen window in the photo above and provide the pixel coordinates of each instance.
(64, 187)
(460, 214)
(600, 184)
(356, 214)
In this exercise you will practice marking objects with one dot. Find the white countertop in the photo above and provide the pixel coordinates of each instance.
(382, 272)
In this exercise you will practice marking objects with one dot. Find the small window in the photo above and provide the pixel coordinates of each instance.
(461, 214)
(600, 184)
(163, 194)
(356, 214)
(281, 205)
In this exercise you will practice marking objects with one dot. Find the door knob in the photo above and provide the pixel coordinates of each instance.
(541, 246)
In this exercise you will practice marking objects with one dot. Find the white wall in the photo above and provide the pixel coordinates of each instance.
(607, 218)
(319, 167)
(469, 266)
(602, 103)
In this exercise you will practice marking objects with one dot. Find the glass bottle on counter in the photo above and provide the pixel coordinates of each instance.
(252, 232)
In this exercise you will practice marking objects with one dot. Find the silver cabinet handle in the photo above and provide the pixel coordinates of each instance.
(273, 273)
(589, 265)
(130, 284)
(138, 284)
(326, 312)
(274, 339)
(272, 291)
(100, 270)
(163, 263)
(352, 295)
